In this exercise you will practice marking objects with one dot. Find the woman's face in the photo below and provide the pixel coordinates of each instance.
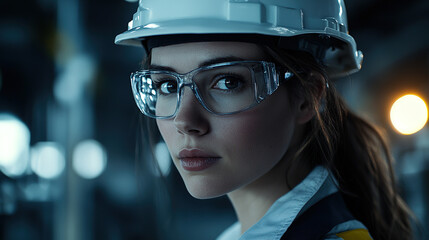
(219, 154)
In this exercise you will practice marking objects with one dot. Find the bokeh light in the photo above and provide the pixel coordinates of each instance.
(47, 160)
(14, 145)
(89, 159)
(409, 114)
(71, 83)
(163, 160)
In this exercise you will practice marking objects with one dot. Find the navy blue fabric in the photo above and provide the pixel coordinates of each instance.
(319, 219)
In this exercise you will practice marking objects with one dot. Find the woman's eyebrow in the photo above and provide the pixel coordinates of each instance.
(220, 60)
(159, 67)
(203, 64)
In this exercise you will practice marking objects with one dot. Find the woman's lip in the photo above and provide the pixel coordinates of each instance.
(197, 163)
(195, 153)
(196, 159)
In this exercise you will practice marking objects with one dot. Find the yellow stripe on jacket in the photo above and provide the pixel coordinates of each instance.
(355, 234)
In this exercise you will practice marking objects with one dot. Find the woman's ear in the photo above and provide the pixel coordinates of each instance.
(305, 111)
(306, 105)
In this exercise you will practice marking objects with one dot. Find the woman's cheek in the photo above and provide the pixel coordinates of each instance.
(253, 135)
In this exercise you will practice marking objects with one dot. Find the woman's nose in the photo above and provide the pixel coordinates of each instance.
(191, 117)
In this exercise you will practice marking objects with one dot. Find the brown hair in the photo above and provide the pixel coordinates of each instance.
(350, 147)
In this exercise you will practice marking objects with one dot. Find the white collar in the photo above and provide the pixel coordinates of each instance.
(285, 209)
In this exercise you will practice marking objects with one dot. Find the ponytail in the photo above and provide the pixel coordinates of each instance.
(363, 167)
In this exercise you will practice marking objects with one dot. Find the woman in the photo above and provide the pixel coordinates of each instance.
(241, 94)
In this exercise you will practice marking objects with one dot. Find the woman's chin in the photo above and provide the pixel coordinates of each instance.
(201, 189)
(203, 196)
(204, 192)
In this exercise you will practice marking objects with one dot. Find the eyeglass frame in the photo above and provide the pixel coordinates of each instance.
(271, 80)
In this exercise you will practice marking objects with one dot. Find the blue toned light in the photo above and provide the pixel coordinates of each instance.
(14, 145)
(47, 160)
(163, 159)
(70, 85)
(89, 159)
(288, 75)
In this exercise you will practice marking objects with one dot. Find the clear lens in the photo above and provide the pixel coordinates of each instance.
(226, 89)
(221, 88)
(156, 93)
(166, 89)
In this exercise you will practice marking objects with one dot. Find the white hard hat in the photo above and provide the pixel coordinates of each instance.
(316, 26)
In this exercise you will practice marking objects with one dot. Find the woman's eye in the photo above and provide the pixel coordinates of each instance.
(229, 83)
(168, 87)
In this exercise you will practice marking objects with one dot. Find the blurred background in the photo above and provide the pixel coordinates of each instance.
(69, 165)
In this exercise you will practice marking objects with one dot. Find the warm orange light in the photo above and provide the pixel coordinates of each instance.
(409, 114)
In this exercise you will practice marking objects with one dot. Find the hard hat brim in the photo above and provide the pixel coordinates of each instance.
(351, 59)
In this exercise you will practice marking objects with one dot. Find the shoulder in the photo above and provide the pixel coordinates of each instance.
(231, 233)
(327, 219)
(350, 230)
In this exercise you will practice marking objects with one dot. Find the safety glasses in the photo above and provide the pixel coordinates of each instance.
(222, 88)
